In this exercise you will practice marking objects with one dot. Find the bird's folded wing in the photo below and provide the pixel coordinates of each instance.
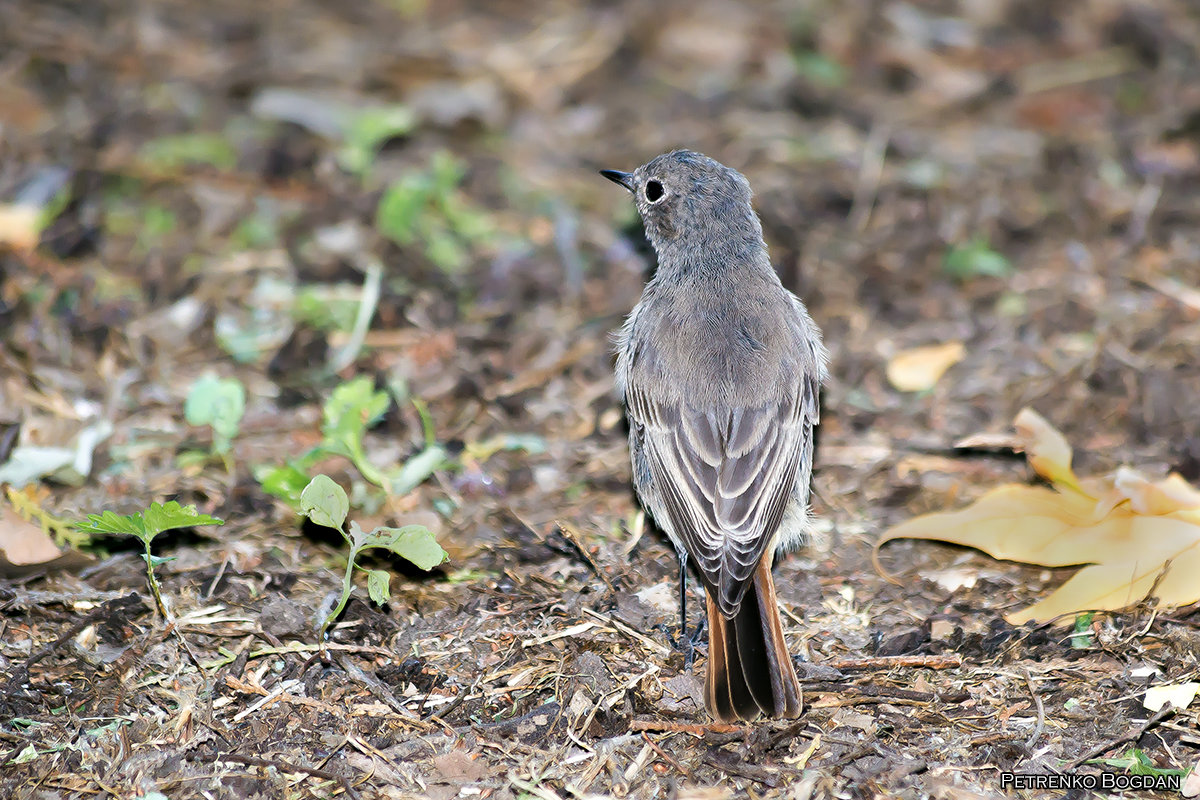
(725, 477)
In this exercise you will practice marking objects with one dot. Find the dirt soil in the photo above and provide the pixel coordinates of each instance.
(1016, 176)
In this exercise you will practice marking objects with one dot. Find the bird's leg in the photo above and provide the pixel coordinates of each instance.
(683, 559)
(686, 643)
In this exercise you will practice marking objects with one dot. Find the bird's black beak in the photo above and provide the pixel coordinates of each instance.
(616, 176)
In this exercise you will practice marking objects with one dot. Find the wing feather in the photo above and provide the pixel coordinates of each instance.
(724, 482)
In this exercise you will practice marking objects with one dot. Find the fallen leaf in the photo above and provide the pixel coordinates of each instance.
(24, 542)
(458, 767)
(1179, 695)
(1046, 449)
(919, 369)
(25, 548)
(854, 719)
(19, 226)
(1191, 784)
(70, 464)
(1134, 537)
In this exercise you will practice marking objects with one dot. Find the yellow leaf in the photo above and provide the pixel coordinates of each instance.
(19, 226)
(1046, 448)
(918, 369)
(1179, 695)
(1133, 536)
(23, 543)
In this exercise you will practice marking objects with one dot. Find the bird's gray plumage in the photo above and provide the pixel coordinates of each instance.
(720, 368)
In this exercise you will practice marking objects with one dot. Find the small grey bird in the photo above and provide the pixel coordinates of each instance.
(720, 367)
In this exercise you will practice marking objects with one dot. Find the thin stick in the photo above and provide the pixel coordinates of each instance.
(664, 755)
(1041, 709)
(891, 662)
(642, 725)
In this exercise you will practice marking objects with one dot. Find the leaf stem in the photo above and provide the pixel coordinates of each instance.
(347, 587)
(153, 581)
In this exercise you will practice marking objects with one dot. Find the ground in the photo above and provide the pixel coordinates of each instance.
(1015, 176)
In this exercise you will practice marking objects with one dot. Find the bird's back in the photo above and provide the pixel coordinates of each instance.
(733, 344)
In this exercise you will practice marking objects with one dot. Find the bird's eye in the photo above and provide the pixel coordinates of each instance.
(654, 191)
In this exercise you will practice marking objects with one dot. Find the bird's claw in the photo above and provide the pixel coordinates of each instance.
(685, 642)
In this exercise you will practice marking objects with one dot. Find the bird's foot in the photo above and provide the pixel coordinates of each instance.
(685, 643)
(689, 643)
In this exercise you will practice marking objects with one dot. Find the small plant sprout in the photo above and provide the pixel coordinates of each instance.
(324, 502)
(366, 131)
(427, 207)
(354, 407)
(144, 526)
(218, 403)
(976, 259)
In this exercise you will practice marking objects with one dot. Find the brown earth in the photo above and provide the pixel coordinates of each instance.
(537, 662)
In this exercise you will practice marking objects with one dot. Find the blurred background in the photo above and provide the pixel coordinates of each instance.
(190, 187)
(986, 204)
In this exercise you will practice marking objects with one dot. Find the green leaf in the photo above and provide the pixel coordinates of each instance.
(219, 403)
(1136, 762)
(145, 525)
(353, 407)
(324, 502)
(445, 250)
(327, 307)
(377, 586)
(469, 222)
(113, 523)
(57, 205)
(157, 223)
(528, 442)
(1081, 636)
(401, 205)
(417, 469)
(369, 130)
(190, 149)
(286, 482)
(447, 171)
(976, 259)
(27, 754)
(819, 69)
(415, 543)
(161, 517)
(192, 458)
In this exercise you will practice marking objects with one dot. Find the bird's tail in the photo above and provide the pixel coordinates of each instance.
(749, 669)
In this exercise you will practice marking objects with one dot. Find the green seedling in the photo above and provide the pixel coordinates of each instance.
(1081, 633)
(190, 150)
(367, 131)
(427, 208)
(354, 407)
(325, 503)
(819, 68)
(328, 307)
(220, 404)
(976, 259)
(1136, 762)
(144, 526)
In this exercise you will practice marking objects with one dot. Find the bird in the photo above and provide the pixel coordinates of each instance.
(720, 367)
